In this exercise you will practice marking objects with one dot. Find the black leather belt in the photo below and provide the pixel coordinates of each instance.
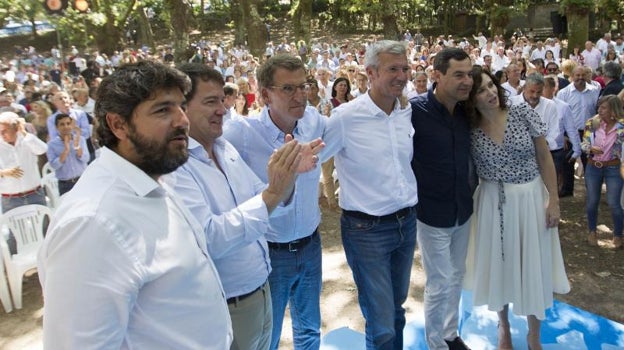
(74, 180)
(295, 245)
(401, 213)
(234, 300)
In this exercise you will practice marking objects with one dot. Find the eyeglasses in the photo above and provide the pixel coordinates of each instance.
(352, 70)
(551, 70)
(290, 90)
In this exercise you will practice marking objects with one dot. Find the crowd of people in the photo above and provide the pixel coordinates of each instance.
(192, 192)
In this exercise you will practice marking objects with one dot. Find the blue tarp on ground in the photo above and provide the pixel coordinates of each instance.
(566, 327)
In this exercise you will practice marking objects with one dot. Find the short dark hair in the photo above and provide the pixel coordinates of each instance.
(60, 117)
(338, 80)
(230, 89)
(267, 70)
(197, 72)
(442, 59)
(130, 85)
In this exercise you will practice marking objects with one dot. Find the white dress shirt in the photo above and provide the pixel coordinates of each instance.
(124, 265)
(582, 103)
(229, 205)
(511, 91)
(547, 110)
(24, 155)
(566, 124)
(255, 138)
(88, 107)
(372, 153)
(537, 53)
(592, 58)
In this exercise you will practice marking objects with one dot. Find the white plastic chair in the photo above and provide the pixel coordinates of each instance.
(46, 169)
(5, 297)
(27, 225)
(50, 184)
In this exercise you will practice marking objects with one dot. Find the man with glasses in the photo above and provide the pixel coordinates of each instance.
(553, 68)
(293, 238)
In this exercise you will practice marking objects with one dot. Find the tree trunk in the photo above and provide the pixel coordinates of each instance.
(390, 29)
(578, 30)
(107, 38)
(179, 23)
(236, 12)
(145, 29)
(302, 20)
(256, 30)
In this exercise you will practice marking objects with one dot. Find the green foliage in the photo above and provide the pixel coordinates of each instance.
(576, 7)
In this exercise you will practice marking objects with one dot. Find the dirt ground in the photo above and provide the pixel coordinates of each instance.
(596, 275)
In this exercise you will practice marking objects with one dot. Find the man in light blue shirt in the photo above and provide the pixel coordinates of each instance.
(233, 205)
(63, 103)
(293, 239)
(582, 98)
(67, 153)
(371, 139)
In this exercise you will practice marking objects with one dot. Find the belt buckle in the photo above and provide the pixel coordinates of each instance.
(598, 164)
(291, 246)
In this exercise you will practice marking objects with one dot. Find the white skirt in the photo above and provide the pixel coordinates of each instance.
(532, 267)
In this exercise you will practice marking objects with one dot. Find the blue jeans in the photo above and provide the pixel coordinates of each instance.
(380, 254)
(296, 278)
(594, 177)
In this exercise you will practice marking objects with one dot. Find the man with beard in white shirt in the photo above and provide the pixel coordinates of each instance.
(124, 263)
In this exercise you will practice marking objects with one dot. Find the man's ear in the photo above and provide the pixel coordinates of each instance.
(435, 75)
(117, 125)
(264, 92)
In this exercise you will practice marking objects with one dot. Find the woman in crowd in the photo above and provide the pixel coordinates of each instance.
(419, 81)
(244, 89)
(611, 56)
(576, 56)
(41, 111)
(602, 142)
(523, 65)
(241, 106)
(514, 254)
(550, 57)
(341, 92)
(501, 76)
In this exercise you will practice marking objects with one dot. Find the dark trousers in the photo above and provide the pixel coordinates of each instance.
(65, 186)
(567, 175)
(559, 159)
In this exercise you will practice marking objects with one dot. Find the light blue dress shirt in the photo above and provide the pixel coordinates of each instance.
(566, 124)
(582, 103)
(255, 138)
(229, 205)
(372, 153)
(73, 166)
(81, 118)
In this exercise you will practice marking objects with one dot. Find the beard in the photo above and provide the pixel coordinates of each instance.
(157, 157)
